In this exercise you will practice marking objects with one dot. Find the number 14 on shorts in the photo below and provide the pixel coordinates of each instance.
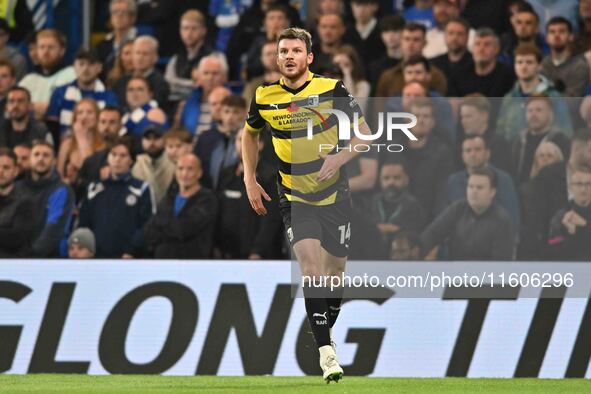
(345, 231)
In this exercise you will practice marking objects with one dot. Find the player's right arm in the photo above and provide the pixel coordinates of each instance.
(250, 157)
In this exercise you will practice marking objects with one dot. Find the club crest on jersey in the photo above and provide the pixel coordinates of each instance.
(131, 200)
(313, 101)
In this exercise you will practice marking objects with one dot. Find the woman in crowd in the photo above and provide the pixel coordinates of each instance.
(123, 64)
(84, 140)
(547, 153)
(347, 59)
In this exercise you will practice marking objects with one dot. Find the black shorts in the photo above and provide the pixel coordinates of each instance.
(330, 224)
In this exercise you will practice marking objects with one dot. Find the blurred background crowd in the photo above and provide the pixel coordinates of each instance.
(123, 140)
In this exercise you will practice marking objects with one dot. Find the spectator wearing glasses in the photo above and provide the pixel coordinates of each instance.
(142, 111)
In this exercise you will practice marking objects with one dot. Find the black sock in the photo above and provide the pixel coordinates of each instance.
(317, 310)
(334, 305)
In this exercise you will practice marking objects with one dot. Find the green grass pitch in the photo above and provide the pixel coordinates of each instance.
(277, 384)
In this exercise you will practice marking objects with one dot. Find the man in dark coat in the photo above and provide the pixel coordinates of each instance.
(53, 202)
(16, 228)
(184, 225)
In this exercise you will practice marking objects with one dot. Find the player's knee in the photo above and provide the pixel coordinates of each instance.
(311, 270)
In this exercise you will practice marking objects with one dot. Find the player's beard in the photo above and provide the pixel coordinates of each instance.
(155, 153)
(298, 71)
(43, 172)
(560, 48)
(392, 193)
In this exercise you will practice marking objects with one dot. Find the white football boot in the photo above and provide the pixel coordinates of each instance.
(331, 370)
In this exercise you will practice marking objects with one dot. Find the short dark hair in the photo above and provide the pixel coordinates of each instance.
(487, 172)
(4, 26)
(41, 142)
(281, 8)
(8, 153)
(484, 32)
(459, 20)
(85, 54)
(417, 59)
(414, 26)
(296, 33)
(528, 9)
(365, 1)
(391, 23)
(21, 89)
(331, 70)
(473, 137)
(521, 5)
(25, 144)
(127, 142)
(234, 101)
(560, 20)
(111, 108)
(477, 101)
(145, 80)
(9, 65)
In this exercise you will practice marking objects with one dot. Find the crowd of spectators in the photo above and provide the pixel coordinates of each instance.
(132, 150)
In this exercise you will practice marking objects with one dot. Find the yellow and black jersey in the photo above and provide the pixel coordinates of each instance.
(288, 112)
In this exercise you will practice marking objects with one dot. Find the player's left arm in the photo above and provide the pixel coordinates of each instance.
(332, 163)
(368, 174)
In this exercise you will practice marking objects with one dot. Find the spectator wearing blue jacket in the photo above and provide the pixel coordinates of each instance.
(476, 154)
(53, 202)
(421, 12)
(227, 15)
(117, 208)
(87, 85)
